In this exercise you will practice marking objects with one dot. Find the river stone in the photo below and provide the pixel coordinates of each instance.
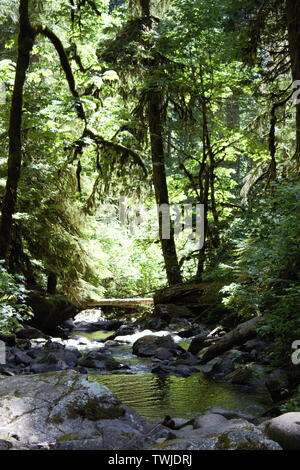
(95, 443)
(253, 375)
(197, 343)
(210, 423)
(133, 338)
(4, 445)
(229, 414)
(42, 408)
(285, 430)
(100, 360)
(21, 357)
(239, 435)
(164, 354)
(29, 332)
(147, 345)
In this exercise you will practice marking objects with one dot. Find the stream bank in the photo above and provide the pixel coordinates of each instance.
(152, 373)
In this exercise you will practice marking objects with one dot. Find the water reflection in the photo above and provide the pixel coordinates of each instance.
(155, 396)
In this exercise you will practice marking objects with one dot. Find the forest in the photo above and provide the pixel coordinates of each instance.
(150, 154)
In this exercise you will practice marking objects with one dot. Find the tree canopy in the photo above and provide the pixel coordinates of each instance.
(175, 102)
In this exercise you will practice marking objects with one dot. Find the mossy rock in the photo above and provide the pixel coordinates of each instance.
(50, 310)
(94, 410)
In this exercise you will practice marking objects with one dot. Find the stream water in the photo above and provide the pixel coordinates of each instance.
(155, 396)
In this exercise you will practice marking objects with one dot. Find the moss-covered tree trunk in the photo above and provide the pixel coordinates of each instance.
(293, 27)
(160, 185)
(25, 44)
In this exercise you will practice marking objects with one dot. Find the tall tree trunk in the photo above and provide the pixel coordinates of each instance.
(293, 27)
(160, 185)
(25, 44)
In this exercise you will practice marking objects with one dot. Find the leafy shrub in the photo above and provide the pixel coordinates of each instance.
(13, 308)
(268, 268)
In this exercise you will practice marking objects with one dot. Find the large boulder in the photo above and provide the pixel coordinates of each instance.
(50, 310)
(147, 346)
(46, 407)
(99, 360)
(285, 430)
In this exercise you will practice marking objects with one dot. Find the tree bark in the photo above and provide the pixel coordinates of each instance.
(292, 8)
(236, 337)
(160, 186)
(51, 283)
(25, 44)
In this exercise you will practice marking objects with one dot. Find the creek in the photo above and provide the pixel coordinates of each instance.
(155, 396)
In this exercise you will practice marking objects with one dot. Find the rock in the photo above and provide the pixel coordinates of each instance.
(124, 329)
(133, 338)
(5, 445)
(65, 358)
(236, 435)
(67, 443)
(48, 367)
(29, 332)
(211, 366)
(210, 423)
(154, 324)
(277, 384)
(253, 375)
(164, 354)
(98, 360)
(8, 339)
(178, 324)
(179, 423)
(285, 430)
(23, 343)
(197, 343)
(147, 345)
(223, 365)
(191, 332)
(54, 346)
(186, 359)
(255, 344)
(45, 407)
(89, 316)
(21, 357)
(122, 438)
(50, 310)
(8, 370)
(68, 324)
(229, 414)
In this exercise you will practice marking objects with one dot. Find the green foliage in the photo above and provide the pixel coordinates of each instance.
(268, 267)
(13, 308)
(293, 404)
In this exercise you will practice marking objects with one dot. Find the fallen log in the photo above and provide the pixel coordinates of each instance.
(120, 303)
(235, 337)
(189, 293)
